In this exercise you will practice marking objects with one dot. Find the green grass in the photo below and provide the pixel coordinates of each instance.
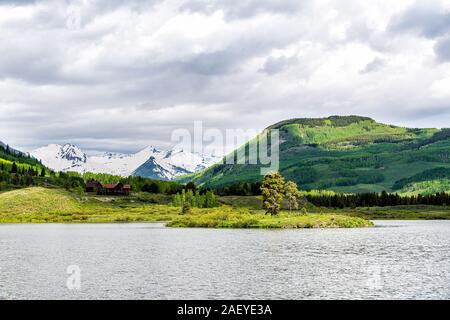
(399, 213)
(252, 202)
(232, 218)
(41, 205)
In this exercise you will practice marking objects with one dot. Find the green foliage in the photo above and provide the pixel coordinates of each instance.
(241, 218)
(44, 205)
(334, 121)
(343, 154)
(432, 174)
(292, 195)
(195, 199)
(370, 177)
(186, 208)
(8, 156)
(240, 189)
(137, 183)
(302, 175)
(272, 190)
(18, 170)
(382, 199)
(427, 187)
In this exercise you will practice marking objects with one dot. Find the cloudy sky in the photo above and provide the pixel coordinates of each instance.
(119, 75)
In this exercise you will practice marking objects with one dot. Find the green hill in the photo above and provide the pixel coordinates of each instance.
(46, 205)
(347, 154)
(37, 201)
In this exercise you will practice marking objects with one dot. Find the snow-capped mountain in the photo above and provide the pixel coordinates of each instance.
(62, 158)
(150, 162)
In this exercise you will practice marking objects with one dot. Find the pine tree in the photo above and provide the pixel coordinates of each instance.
(14, 168)
(272, 190)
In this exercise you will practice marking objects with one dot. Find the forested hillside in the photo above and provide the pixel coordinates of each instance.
(349, 154)
(18, 169)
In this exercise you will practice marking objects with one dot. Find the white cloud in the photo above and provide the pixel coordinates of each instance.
(131, 72)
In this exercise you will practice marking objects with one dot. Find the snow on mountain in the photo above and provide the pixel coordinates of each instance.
(153, 169)
(61, 158)
(150, 162)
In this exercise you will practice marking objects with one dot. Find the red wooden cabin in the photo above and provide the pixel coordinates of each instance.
(116, 189)
(108, 189)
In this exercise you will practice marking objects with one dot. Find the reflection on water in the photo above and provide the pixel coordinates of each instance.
(396, 260)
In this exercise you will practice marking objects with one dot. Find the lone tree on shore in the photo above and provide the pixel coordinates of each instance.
(292, 195)
(272, 191)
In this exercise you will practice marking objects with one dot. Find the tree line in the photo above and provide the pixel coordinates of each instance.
(21, 175)
(189, 198)
(275, 190)
(382, 199)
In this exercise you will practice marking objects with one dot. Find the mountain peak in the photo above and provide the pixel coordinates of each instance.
(72, 153)
(149, 162)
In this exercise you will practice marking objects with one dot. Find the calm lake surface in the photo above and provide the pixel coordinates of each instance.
(395, 260)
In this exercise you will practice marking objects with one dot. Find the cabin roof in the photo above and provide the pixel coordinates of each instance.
(93, 184)
(113, 185)
(110, 186)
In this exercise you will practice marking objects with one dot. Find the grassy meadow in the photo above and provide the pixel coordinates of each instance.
(52, 205)
(41, 205)
(228, 217)
(47, 205)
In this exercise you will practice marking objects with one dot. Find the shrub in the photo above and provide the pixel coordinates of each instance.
(186, 208)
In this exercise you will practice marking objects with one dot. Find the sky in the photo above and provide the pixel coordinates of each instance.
(112, 75)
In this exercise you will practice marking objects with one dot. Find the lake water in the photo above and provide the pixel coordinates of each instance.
(395, 260)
